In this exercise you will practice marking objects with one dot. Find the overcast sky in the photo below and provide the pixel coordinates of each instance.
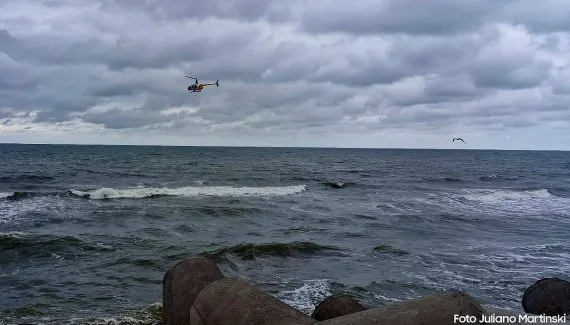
(366, 73)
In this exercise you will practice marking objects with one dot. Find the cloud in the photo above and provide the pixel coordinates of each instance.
(550, 16)
(122, 119)
(292, 73)
(436, 17)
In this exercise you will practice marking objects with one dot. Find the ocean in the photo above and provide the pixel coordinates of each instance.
(87, 232)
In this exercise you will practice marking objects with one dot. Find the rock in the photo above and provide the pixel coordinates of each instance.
(549, 296)
(233, 301)
(437, 309)
(336, 306)
(181, 285)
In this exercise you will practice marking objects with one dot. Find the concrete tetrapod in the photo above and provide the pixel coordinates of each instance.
(336, 306)
(181, 285)
(435, 309)
(232, 301)
(549, 296)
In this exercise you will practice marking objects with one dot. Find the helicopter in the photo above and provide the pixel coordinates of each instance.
(198, 87)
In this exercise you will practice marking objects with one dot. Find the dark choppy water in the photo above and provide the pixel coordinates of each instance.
(407, 223)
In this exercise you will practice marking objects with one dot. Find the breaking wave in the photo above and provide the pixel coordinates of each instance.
(541, 201)
(146, 192)
(10, 235)
(15, 196)
(308, 296)
(4, 195)
(494, 196)
(150, 315)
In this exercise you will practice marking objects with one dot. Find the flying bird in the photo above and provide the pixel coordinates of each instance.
(458, 139)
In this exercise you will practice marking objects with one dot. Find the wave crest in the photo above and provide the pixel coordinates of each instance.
(24, 245)
(190, 191)
(307, 297)
(493, 196)
(249, 251)
(15, 196)
(444, 179)
(23, 178)
(494, 177)
(5, 195)
(388, 249)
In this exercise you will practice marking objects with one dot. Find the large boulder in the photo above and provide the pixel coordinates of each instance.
(336, 306)
(549, 296)
(440, 308)
(181, 285)
(232, 301)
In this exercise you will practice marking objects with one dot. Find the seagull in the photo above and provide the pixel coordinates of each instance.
(458, 139)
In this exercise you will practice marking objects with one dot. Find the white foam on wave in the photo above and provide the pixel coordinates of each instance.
(490, 270)
(384, 298)
(13, 212)
(4, 195)
(11, 234)
(117, 320)
(527, 201)
(144, 192)
(147, 316)
(307, 296)
(498, 196)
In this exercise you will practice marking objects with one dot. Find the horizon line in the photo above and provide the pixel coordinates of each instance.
(273, 147)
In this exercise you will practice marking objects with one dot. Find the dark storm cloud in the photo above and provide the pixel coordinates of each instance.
(436, 17)
(249, 10)
(290, 65)
(458, 87)
(52, 116)
(295, 101)
(543, 17)
(443, 55)
(561, 87)
(7, 40)
(414, 17)
(55, 91)
(10, 115)
(121, 119)
(559, 84)
(454, 90)
(13, 76)
(501, 75)
(126, 50)
(508, 68)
